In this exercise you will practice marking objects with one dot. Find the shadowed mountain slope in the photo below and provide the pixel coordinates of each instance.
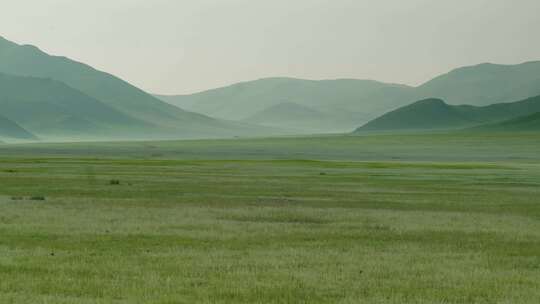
(49, 107)
(524, 123)
(433, 114)
(9, 129)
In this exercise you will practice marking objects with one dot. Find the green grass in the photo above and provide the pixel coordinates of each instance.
(448, 147)
(347, 227)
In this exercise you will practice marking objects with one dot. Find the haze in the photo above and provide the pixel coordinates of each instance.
(175, 46)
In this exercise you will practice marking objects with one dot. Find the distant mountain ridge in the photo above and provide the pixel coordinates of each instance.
(153, 117)
(49, 107)
(351, 103)
(53, 96)
(435, 114)
(484, 84)
(27, 60)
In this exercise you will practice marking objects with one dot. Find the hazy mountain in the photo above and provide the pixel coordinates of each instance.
(297, 117)
(348, 102)
(484, 84)
(104, 104)
(50, 108)
(524, 123)
(103, 89)
(433, 114)
(11, 130)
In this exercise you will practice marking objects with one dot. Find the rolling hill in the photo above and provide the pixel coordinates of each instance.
(345, 102)
(435, 114)
(11, 130)
(424, 114)
(524, 123)
(349, 103)
(50, 108)
(99, 103)
(296, 117)
(118, 96)
(484, 84)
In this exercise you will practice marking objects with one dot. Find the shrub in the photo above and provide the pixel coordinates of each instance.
(114, 182)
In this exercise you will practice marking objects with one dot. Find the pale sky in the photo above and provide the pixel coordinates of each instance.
(183, 46)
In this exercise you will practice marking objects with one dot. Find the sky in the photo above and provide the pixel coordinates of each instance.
(185, 46)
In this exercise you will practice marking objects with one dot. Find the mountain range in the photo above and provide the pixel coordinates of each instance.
(56, 96)
(344, 103)
(348, 103)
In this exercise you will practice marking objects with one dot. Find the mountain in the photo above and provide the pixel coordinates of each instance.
(50, 108)
(296, 117)
(117, 95)
(347, 102)
(11, 130)
(524, 123)
(434, 114)
(333, 105)
(484, 84)
(424, 114)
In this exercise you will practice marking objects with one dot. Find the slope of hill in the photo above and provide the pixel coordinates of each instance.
(170, 121)
(11, 130)
(484, 84)
(346, 100)
(285, 111)
(524, 123)
(296, 117)
(424, 114)
(48, 107)
(433, 114)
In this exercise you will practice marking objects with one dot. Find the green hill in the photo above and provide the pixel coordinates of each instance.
(484, 84)
(524, 123)
(433, 114)
(50, 108)
(11, 130)
(168, 121)
(347, 102)
(424, 114)
(331, 105)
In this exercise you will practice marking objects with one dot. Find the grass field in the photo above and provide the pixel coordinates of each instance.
(440, 218)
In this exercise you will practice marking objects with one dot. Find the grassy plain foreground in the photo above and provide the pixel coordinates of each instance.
(444, 218)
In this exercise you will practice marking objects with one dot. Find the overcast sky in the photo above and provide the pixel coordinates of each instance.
(182, 46)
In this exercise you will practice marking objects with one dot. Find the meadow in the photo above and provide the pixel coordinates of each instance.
(408, 218)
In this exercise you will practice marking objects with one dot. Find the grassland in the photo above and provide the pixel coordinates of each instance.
(433, 218)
